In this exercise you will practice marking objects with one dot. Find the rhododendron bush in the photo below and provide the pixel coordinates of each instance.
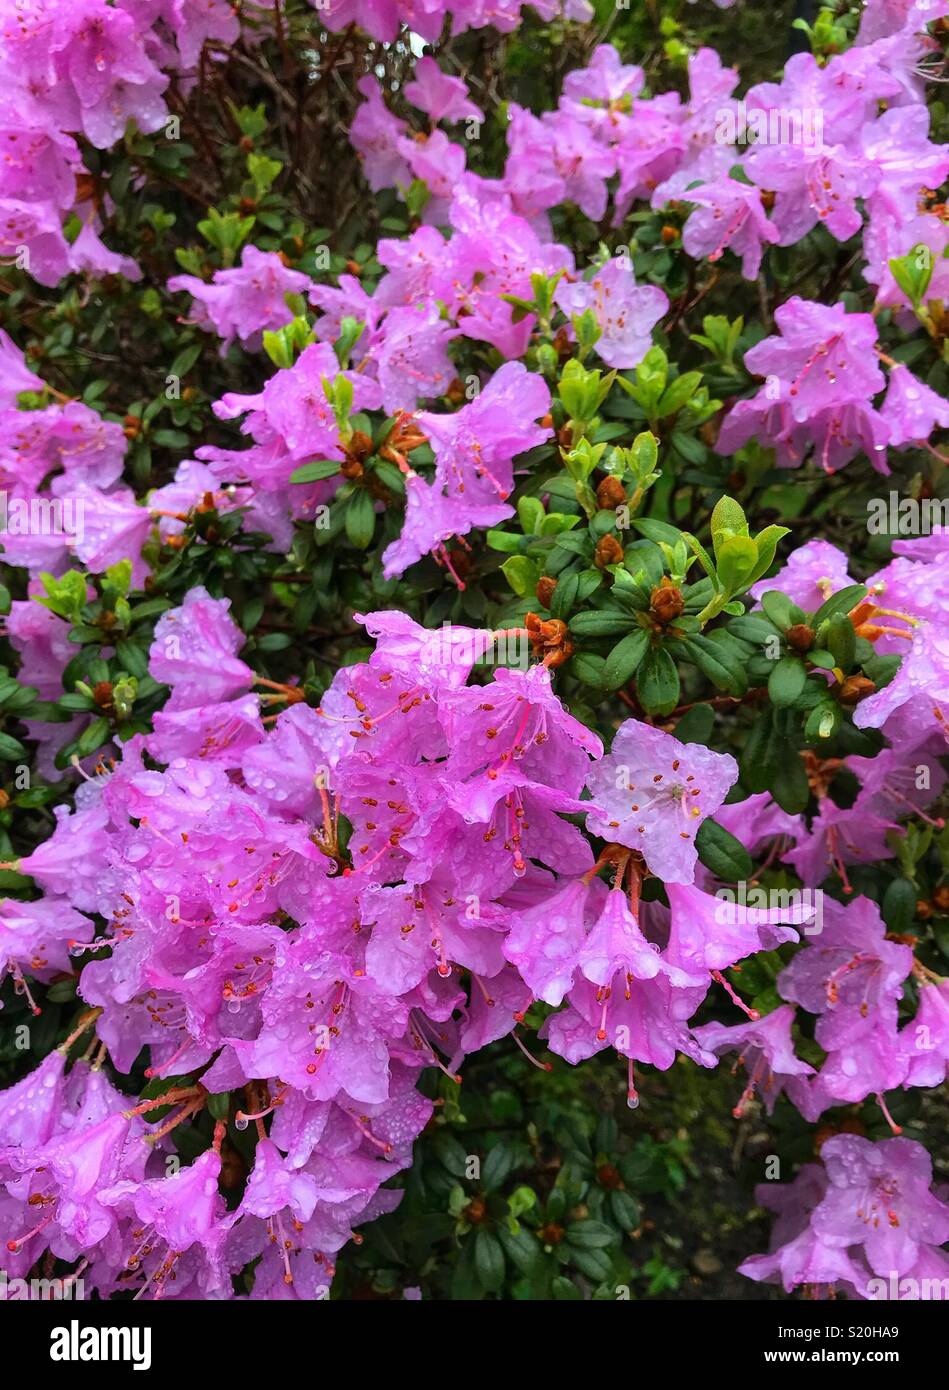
(475, 671)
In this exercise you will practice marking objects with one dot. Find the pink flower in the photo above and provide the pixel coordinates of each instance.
(443, 98)
(412, 357)
(375, 135)
(195, 652)
(625, 312)
(766, 1052)
(16, 375)
(246, 301)
(911, 409)
(114, 527)
(813, 572)
(652, 793)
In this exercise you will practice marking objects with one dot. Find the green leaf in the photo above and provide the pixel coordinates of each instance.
(786, 681)
(790, 787)
(595, 1264)
(721, 852)
(602, 622)
(626, 1211)
(678, 394)
(657, 682)
(823, 721)
(564, 596)
(696, 725)
(93, 737)
(219, 1104)
(521, 1248)
(390, 475)
(522, 574)
(913, 273)
(530, 513)
(841, 602)
(314, 472)
(505, 541)
(590, 1235)
(767, 543)
(899, 905)
(360, 519)
(497, 1166)
(565, 1290)
(657, 531)
(724, 668)
(274, 642)
(588, 668)
(65, 596)
(489, 1261)
(778, 608)
(12, 750)
(753, 628)
(840, 640)
(624, 660)
(760, 754)
(728, 519)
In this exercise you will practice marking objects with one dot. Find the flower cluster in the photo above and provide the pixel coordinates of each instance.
(866, 1223)
(248, 947)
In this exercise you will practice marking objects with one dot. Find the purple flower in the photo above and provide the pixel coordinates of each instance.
(878, 1197)
(645, 1021)
(412, 358)
(848, 973)
(114, 527)
(799, 1256)
(17, 376)
(474, 452)
(195, 652)
(246, 301)
(375, 135)
(911, 409)
(709, 934)
(441, 97)
(32, 1110)
(926, 1038)
(625, 312)
(823, 355)
(758, 821)
(556, 159)
(544, 941)
(70, 862)
(35, 938)
(813, 572)
(729, 215)
(766, 1053)
(438, 163)
(652, 793)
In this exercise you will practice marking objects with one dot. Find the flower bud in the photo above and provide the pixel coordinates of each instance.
(800, 637)
(666, 602)
(608, 552)
(610, 493)
(855, 689)
(545, 590)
